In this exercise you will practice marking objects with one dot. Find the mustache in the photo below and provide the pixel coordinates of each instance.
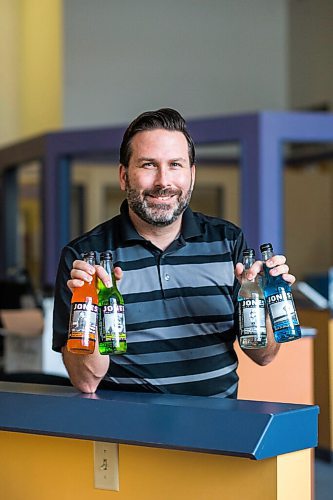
(162, 192)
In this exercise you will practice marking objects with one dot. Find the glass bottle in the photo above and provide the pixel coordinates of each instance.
(251, 304)
(280, 302)
(112, 329)
(83, 317)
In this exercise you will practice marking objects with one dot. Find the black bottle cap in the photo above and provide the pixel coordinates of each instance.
(86, 255)
(266, 246)
(106, 255)
(248, 252)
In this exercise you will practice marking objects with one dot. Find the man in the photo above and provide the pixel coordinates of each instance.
(179, 274)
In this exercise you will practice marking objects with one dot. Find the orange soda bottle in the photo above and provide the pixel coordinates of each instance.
(82, 331)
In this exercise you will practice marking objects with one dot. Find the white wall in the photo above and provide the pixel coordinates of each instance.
(202, 57)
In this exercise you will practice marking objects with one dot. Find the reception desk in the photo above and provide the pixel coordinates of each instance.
(289, 378)
(170, 447)
(322, 321)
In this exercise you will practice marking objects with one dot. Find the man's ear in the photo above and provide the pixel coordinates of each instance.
(193, 167)
(122, 177)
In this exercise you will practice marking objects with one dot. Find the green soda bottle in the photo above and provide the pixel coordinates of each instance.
(111, 323)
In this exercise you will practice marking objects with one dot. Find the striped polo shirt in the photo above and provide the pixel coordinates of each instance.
(180, 305)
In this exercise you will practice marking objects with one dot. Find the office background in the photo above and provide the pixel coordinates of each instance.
(80, 64)
(72, 64)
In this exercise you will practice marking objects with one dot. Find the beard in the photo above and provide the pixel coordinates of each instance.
(160, 213)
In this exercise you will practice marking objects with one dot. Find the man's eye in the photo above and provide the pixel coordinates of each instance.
(175, 164)
(148, 165)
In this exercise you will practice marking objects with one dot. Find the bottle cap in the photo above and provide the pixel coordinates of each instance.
(106, 255)
(86, 255)
(248, 252)
(266, 246)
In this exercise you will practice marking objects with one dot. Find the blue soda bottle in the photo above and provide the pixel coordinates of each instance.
(279, 302)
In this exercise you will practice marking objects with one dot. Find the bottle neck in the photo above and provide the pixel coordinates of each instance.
(108, 266)
(90, 288)
(267, 254)
(90, 260)
(248, 262)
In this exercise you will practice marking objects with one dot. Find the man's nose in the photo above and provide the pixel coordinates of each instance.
(162, 177)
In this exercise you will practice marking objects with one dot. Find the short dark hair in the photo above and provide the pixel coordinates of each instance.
(165, 118)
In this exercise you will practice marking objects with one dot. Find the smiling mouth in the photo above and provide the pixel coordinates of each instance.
(161, 195)
(161, 198)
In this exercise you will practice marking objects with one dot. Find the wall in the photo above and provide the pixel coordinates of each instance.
(31, 68)
(40, 65)
(9, 82)
(310, 52)
(309, 217)
(309, 190)
(203, 58)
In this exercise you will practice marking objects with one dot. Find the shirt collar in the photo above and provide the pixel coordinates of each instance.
(190, 225)
(128, 231)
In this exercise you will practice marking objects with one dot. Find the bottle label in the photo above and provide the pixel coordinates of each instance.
(83, 320)
(252, 317)
(282, 309)
(114, 328)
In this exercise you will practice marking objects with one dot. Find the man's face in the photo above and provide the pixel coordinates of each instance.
(159, 179)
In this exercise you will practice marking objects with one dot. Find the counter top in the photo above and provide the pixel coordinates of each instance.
(251, 429)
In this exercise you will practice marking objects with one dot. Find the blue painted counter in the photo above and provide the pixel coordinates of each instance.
(251, 429)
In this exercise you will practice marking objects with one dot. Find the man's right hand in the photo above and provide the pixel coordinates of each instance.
(83, 272)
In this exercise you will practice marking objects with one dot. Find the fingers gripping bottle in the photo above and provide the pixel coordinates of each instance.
(280, 303)
(112, 329)
(251, 303)
(83, 317)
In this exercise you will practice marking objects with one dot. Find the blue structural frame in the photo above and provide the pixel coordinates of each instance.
(260, 136)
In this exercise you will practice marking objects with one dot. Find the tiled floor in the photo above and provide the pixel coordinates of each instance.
(323, 480)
